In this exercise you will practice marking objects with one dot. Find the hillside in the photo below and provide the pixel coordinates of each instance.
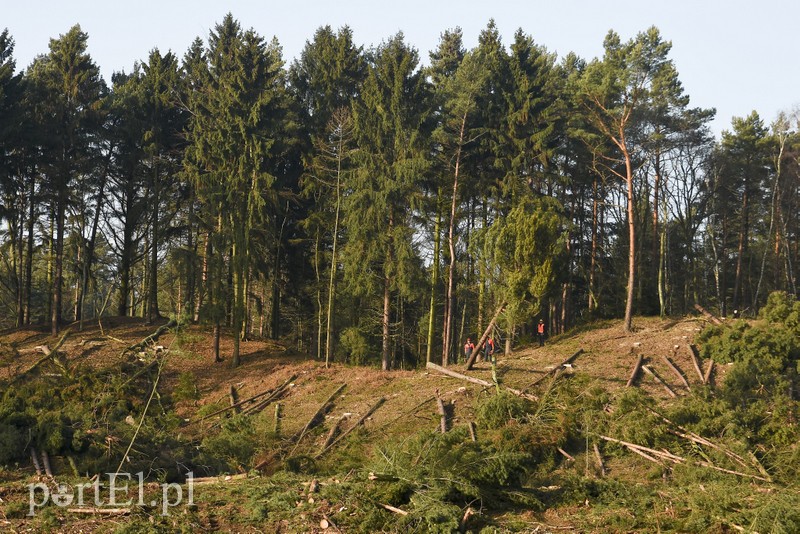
(358, 483)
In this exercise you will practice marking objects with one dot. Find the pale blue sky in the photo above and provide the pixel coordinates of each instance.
(735, 55)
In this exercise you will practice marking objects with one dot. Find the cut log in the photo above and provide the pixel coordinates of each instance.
(277, 425)
(659, 380)
(599, 458)
(360, 422)
(219, 479)
(566, 455)
(334, 432)
(473, 434)
(35, 462)
(556, 368)
(676, 371)
(707, 375)
(317, 418)
(99, 511)
(241, 402)
(696, 361)
(49, 354)
(478, 381)
(393, 509)
(152, 338)
(46, 463)
(484, 337)
(234, 400)
(635, 371)
(442, 413)
(708, 315)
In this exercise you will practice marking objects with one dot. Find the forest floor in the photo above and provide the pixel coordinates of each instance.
(608, 357)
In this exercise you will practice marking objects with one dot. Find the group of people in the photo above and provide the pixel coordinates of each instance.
(490, 347)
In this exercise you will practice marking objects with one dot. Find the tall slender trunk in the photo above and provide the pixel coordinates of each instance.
(318, 293)
(434, 277)
(743, 231)
(29, 251)
(334, 259)
(89, 254)
(58, 271)
(153, 313)
(385, 352)
(631, 236)
(592, 304)
(451, 242)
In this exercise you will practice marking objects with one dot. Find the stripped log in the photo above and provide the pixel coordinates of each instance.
(234, 397)
(696, 361)
(484, 337)
(49, 354)
(659, 380)
(707, 375)
(599, 458)
(556, 368)
(442, 413)
(635, 371)
(333, 432)
(478, 381)
(35, 461)
(676, 371)
(708, 315)
(645, 451)
(152, 338)
(566, 455)
(360, 422)
(247, 400)
(218, 479)
(92, 510)
(276, 429)
(46, 463)
(317, 418)
(473, 434)
(393, 509)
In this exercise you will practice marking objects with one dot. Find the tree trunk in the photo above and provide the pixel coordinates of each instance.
(632, 238)
(737, 284)
(592, 304)
(153, 313)
(434, 278)
(385, 355)
(58, 271)
(451, 241)
(29, 252)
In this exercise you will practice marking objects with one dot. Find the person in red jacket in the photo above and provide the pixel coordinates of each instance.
(489, 349)
(469, 346)
(540, 332)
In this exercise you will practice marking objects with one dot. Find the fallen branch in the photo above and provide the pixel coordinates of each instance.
(658, 379)
(556, 368)
(635, 371)
(676, 371)
(360, 422)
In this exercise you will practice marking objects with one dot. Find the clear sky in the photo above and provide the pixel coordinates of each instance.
(733, 55)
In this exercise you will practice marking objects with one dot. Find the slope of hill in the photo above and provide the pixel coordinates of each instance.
(356, 449)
